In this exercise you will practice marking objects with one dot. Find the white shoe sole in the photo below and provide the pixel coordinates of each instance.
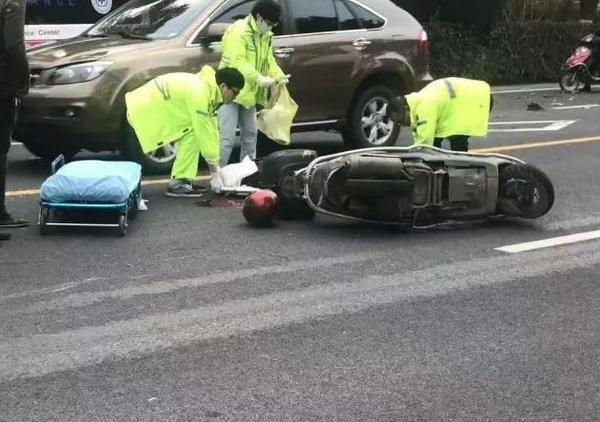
(183, 195)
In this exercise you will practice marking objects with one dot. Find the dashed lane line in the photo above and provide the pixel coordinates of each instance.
(550, 242)
(584, 106)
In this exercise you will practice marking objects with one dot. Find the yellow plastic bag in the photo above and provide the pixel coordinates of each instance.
(275, 120)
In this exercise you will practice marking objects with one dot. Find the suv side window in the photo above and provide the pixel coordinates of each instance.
(234, 13)
(240, 11)
(367, 19)
(346, 18)
(309, 16)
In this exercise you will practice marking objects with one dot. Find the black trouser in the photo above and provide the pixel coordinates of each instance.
(7, 123)
(457, 143)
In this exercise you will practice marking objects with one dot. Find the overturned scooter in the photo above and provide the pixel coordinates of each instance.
(416, 186)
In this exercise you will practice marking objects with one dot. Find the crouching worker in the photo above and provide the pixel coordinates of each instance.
(448, 108)
(182, 107)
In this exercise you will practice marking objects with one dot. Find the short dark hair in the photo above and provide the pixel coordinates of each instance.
(397, 105)
(268, 9)
(230, 77)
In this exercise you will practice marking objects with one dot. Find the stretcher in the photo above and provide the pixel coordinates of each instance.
(90, 186)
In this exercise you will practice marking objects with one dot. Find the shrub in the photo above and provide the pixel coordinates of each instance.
(512, 52)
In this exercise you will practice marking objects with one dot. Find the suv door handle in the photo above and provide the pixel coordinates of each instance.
(283, 52)
(361, 43)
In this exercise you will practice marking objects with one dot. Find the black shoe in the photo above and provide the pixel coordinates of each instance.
(534, 107)
(4, 236)
(180, 189)
(8, 222)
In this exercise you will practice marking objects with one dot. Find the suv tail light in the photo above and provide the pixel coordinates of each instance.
(422, 41)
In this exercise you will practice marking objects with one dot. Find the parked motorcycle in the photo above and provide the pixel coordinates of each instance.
(416, 186)
(576, 71)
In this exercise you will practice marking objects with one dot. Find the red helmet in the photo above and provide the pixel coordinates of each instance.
(261, 208)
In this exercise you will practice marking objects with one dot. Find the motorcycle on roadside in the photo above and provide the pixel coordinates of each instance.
(577, 74)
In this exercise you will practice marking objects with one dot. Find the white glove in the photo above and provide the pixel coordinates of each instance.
(265, 81)
(216, 184)
(284, 80)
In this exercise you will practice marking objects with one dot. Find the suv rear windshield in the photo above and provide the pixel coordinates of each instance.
(153, 19)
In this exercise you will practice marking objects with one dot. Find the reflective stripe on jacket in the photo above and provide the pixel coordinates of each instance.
(447, 107)
(250, 52)
(170, 106)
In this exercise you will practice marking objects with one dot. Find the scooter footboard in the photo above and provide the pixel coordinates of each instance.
(376, 167)
(374, 188)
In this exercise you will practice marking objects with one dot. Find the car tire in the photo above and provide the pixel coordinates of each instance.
(524, 191)
(368, 115)
(50, 152)
(158, 162)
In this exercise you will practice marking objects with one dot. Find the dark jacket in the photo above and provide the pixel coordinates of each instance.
(14, 69)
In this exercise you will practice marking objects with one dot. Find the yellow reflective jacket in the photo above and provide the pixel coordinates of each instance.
(447, 107)
(250, 52)
(171, 105)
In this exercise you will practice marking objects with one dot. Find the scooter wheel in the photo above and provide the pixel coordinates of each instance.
(524, 191)
(569, 80)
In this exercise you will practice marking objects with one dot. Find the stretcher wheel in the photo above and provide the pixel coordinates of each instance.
(44, 214)
(122, 225)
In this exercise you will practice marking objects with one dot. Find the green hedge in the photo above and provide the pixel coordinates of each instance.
(513, 52)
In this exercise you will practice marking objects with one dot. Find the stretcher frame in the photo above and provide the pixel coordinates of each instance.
(124, 209)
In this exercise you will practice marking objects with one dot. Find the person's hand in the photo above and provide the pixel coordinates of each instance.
(216, 184)
(284, 79)
(265, 81)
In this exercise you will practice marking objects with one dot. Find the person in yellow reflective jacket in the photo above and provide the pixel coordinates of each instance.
(247, 47)
(182, 107)
(448, 108)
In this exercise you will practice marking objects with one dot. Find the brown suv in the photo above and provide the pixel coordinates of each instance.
(346, 58)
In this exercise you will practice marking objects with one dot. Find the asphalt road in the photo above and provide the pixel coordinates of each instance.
(194, 316)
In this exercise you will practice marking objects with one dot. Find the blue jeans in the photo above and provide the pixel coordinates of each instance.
(230, 116)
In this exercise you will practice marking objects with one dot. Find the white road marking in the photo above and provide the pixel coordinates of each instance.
(14, 143)
(547, 243)
(584, 106)
(79, 300)
(514, 91)
(34, 355)
(550, 125)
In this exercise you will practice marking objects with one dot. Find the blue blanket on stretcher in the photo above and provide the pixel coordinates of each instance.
(92, 181)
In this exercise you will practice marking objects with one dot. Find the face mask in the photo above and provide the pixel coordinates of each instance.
(263, 26)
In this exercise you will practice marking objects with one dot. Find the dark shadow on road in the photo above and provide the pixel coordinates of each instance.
(330, 226)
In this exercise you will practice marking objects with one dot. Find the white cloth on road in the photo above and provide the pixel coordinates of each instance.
(233, 174)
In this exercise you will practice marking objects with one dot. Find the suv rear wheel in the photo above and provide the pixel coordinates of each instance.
(159, 161)
(367, 124)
